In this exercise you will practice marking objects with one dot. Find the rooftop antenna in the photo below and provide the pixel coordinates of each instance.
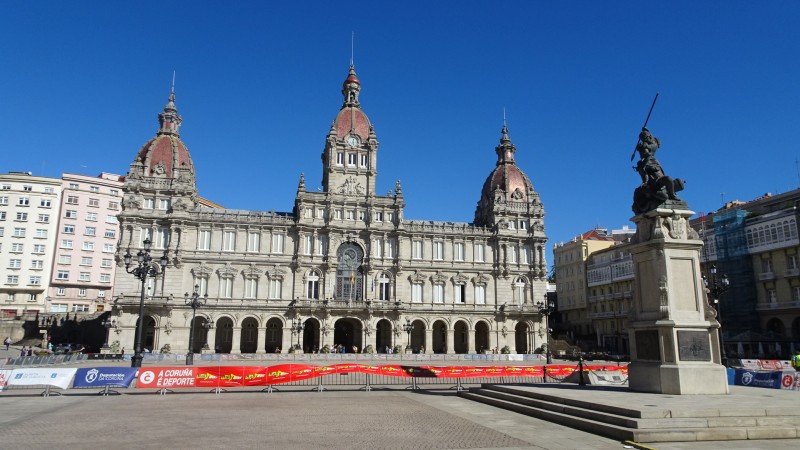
(352, 46)
(173, 82)
(722, 198)
(504, 117)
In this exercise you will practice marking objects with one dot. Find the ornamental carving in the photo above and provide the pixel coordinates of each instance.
(417, 277)
(276, 273)
(351, 187)
(481, 279)
(438, 277)
(202, 271)
(227, 271)
(460, 278)
(251, 272)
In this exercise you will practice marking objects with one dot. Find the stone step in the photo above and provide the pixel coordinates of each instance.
(657, 425)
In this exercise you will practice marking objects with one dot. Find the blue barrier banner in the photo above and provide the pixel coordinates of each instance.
(771, 380)
(105, 376)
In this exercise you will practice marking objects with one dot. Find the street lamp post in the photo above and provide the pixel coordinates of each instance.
(108, 323)
(408, 327)
(207, 325)
(717, 287)
(297, 328)
(546, 308)
(194, 301)
(145, 267)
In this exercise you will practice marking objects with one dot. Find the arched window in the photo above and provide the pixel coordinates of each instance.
(519, 291)
(348, 272)
(384, 288)
(312, 285)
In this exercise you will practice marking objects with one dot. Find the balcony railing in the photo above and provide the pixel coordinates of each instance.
(771, 306)
(792, 273)
(766, 276)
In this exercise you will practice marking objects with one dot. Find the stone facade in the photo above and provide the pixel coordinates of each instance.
(344, 263)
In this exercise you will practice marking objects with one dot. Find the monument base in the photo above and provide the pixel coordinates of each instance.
(682, 379)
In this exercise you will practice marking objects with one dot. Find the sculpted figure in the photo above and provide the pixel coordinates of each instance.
(656, 187)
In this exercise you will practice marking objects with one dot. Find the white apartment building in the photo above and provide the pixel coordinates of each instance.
(28, 216)
(83, 267)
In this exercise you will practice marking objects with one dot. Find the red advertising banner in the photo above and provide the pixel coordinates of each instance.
(240, 376)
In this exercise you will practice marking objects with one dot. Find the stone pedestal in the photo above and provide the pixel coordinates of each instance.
(673, 330)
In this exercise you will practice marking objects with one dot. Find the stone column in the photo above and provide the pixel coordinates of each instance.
(451, 350)
(236, 340)
(428, 341)
(261, 341)
(286, 340)
(471, 341)
(673, 331)
(211, 338)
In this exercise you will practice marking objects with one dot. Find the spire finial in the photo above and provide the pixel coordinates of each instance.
(504, 117)
(173, 83)
(352, 47)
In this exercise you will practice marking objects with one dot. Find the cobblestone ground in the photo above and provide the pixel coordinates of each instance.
(240, 420)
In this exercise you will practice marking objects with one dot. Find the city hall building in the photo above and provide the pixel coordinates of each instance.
(344, 263)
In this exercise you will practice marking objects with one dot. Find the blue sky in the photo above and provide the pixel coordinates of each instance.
(258, 84)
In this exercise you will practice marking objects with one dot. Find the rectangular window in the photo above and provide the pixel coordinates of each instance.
(80, 308)
(416, 293)
(45, 203)
(791, 262)
(144, 234)
(772, 296)
(44, 218)
(105, 278)
(338, 214)
(438, 293)
(377, 248)
(81, 293)
(38, 248)
(15, 264)
(458, 251)
(251, 288)
(71, 214)
(277, 244)
(35, 280)
(478, 252)
(203, 284)
(115, 193)
(16, 248)
(2, 215)
(27, 188)
(24, 201)
(461, 293)
(101, 293)
(391, 248)
(112, 219)
(438, 250)
(90, 231)
(62, 275)
(108, 248)
(148, 203)
(228, 241)
(88, 246)
(66, 243)
(72, 199)
(378, 217)
(105, 263)
(58, 307)
(351, 159)
(69, 229)
(204, 240)
(94, 203)
(3, 199)
(416, 250)
(91, 216)
(339, 158)
(363, 161)
(110, 233)
(37, 264)
(512, 253)
(253, 242)
(275, 288)
(350, 215)
(6, 187)
(49, 190)
(74, 186)
(162, 238)
(480, 295)
(113, 205)
(308, 244)
(61, 291)
(12, 279)
(83, 276)
(65, 259)
(322, 245)
(524, 254)
(86, 260)
(94, 189)
(22, 217)
(19, 232)
(163, 204)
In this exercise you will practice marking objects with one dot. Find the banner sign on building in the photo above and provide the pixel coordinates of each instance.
(105, 376)
(59, 378)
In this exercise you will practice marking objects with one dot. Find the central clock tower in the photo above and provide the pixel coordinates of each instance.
(349, 161)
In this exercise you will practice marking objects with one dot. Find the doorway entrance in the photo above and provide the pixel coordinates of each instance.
(347, 333)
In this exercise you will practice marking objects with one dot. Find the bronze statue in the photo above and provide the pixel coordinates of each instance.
(656, 187)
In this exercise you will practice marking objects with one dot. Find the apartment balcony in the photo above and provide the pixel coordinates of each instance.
(766, 276)
(790, 273)
(778, 306)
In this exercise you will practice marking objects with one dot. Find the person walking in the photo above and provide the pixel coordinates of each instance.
(7, 342)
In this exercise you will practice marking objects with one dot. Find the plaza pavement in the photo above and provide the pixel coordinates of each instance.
(294, 418)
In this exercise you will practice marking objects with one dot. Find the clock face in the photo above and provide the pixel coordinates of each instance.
(353, 140)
